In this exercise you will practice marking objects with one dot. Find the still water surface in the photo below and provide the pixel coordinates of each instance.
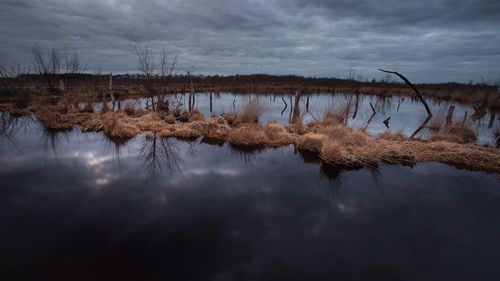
(76, 206)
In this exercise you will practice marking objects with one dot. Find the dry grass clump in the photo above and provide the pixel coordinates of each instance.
(356, 138)
(196, 115)
(248, 135)
(186, 132)
(230, 118)
(278, 135)
(252, 112)
(216, 128)
(176, 112)
(437, 122)
(183, 117)
(151, 121)
(129, 109)
(274, 128)
(333, 118)
(392, 151)
(334, 132)
(467, 156)
(331, 152)
(387, 135)
(116, 128)
(296, 128)
(167, 132)
(54, 120)
(330, 118)
(311, 142)
(170, 118)
(456, 133)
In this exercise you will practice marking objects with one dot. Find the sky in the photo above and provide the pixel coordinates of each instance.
(428, 40)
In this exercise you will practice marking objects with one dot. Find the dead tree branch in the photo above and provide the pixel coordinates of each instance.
(411, 86)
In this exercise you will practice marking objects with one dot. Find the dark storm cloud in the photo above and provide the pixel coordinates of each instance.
(429, 40)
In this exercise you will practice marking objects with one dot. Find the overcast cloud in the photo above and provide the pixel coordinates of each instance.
(429, 40)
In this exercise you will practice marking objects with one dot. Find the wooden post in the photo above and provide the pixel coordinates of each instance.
(111, 87)
(492, 119)
(449, 116)
(210, 101)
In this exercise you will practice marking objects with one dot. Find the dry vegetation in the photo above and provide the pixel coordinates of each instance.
(335, 143)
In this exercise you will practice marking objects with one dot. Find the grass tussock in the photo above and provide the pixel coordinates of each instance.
(53, 120)
(248, 136)
(311, 142)
(170, 118)
(216, 128)
(278, 135)
(186, 132)
(129, 109)
(333, 117)
(115, 128)
(151, 121)
(438, 121)
(196, 115)
(252, 112)
(457, 134)
(387, 135)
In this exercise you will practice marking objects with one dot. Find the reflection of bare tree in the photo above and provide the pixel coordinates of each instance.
(497, 136)
(492, 119)
(7, 127)
(356, 104)
(158, 153)
(371, 117)
(286, 105)
(421, 126)
(10, 126)
(295, 117)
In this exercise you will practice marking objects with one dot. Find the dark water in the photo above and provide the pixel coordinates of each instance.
(78, 207)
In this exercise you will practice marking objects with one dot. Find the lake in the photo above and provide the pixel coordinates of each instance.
(78, 206)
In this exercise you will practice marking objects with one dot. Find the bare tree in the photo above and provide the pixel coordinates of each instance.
(156, 70)
(189, 74)
(49, 68)
(73, 67)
